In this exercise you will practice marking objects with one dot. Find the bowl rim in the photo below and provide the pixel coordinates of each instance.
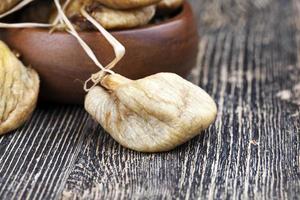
(184, 12)
(184, 21)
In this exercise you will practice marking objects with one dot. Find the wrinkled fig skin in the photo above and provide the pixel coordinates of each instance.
(116, 19)
(107, 17)
(5, 5)
(153, 114)
(169, 4)
(127, 4)
(19, 87)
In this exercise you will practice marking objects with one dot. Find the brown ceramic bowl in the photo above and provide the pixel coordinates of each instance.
(169, 46)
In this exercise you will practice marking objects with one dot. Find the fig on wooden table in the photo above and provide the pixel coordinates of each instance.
(19, 88)
(153, 114)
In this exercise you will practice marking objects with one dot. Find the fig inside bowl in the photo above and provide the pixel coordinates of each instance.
(167, 46)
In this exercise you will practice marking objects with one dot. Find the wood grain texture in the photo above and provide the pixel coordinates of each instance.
(248, 62)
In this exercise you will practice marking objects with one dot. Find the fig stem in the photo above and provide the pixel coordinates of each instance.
(119, 49)
(73, 32)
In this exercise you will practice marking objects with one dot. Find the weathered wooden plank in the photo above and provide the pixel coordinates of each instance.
(35, 159)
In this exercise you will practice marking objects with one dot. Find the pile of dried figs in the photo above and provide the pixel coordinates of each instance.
(111, 14)
(152, 114)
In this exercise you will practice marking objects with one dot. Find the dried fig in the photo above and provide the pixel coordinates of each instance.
(108, 18)
(153, 114)
(116, 19)
(5, 5)
(127, 4)
(19, 88)
(168, 5)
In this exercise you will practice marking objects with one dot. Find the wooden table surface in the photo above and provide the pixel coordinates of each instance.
(249, 63)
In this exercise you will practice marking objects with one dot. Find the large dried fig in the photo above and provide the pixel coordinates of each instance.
(153, 114)
(19, 88)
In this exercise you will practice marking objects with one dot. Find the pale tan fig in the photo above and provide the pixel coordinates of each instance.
(127, 4)
(117, 19)
(19, 87)
(153, 114)
(5, 5)
(169, 4)
(108, 18)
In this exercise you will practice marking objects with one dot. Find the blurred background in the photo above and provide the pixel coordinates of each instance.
(218, 13)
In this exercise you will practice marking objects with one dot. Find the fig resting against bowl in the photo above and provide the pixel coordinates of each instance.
(63, 66)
